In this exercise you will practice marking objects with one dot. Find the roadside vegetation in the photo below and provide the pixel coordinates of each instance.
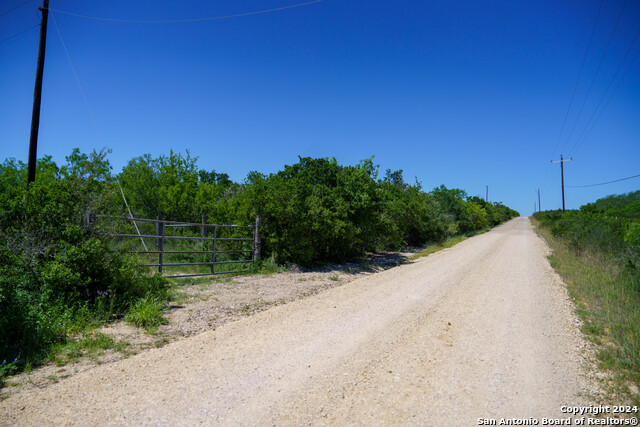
(62, 275)
(435, 247)
(596, 250)
(315, 210)
(59, 277)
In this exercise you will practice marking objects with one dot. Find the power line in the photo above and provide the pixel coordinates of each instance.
(84, 97)
(16, 7)
(17, 34)
(585, 132)
(611, 96)
(172, 21)
(575, 87)
(603, 183)
(604, 54)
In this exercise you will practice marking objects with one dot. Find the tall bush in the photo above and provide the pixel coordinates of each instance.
(55, 258)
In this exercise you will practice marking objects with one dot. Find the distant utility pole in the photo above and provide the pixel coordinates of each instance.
(35, 116)
(539, 208)
(487, 196)
(561, 161)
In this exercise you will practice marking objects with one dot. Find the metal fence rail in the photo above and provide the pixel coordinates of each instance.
(161, 238)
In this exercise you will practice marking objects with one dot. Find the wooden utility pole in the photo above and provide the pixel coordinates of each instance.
(561, 161)
(487, 196)
(35, 116)
(539, 209)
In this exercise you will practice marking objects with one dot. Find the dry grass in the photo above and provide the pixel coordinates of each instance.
(610, 310)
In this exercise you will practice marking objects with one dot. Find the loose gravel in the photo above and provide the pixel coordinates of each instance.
(481, 330)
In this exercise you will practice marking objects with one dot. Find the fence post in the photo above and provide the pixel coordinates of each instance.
(213, 253)
(160, 233)
(204, 229)
(257, 240)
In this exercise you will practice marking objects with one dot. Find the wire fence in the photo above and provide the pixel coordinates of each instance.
(191, 249)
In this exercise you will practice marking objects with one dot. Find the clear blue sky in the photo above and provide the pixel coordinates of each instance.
(461, 93)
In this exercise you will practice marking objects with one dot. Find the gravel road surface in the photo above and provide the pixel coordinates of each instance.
(482, 330)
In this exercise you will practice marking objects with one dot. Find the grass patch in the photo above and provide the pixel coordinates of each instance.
(247, 267)
(147, 313)
(268, 266)
(227, 280)
(430, 249)
(191, 281)
(245, 310)
(89, 344)
(162, 342)
(366, 264)
(605, 296)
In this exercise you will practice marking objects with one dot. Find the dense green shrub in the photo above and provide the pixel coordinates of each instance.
(314, 210)
(172, 187)
(59, 268)
(607, 225)
(408, 215)
(317, 210)
(610, 227)
(56, 262)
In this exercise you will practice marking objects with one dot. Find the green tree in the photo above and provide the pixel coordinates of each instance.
(55, 256)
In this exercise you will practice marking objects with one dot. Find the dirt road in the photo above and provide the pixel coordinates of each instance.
(484, 329)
